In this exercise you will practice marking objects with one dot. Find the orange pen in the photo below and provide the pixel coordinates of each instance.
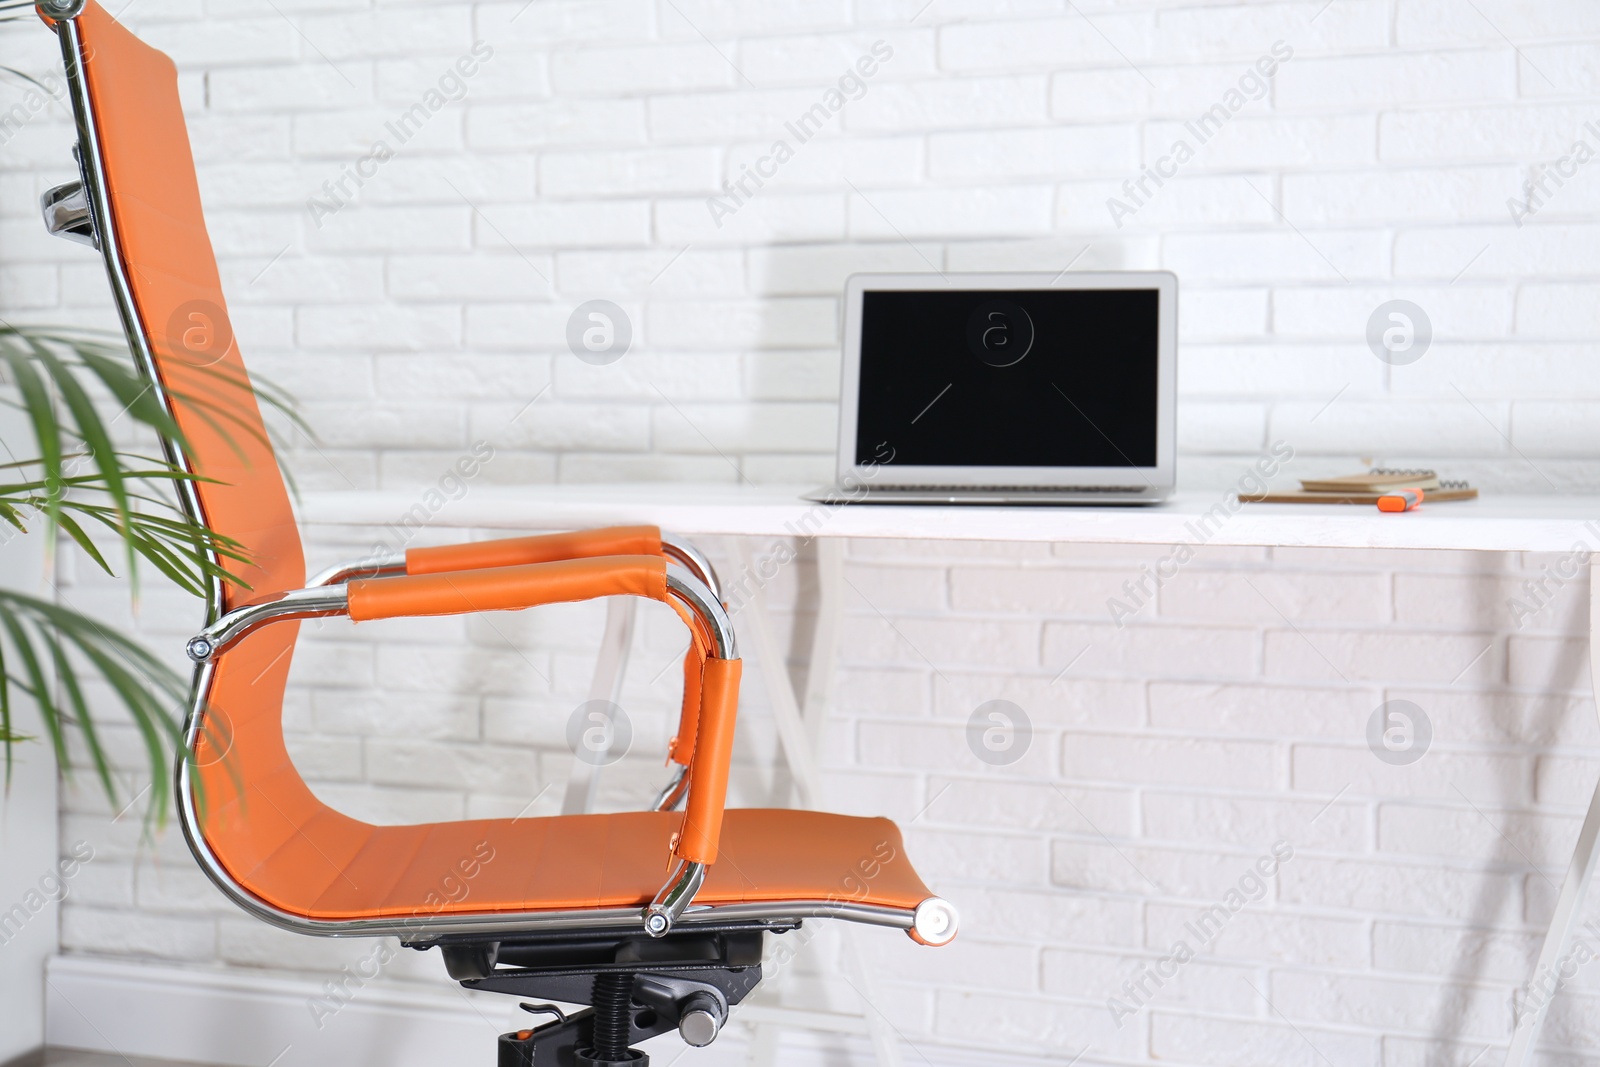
(1400, 500)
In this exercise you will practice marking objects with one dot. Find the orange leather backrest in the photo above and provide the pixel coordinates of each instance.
(177, 296)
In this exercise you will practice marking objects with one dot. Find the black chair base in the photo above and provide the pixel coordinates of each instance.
(636, 986)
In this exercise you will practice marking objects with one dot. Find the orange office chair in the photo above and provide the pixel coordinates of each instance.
(652, 918)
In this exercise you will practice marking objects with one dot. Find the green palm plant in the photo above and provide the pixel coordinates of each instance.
(75, 481)
(78, 483)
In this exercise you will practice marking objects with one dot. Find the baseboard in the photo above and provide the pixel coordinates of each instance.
(239, 1019)
(27, 1059)
(242, 1019)
(233, 1019)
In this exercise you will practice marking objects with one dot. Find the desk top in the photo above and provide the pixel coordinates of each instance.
(1495, 523)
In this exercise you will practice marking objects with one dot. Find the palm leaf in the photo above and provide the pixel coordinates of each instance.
(40, 633)
(41, 412)
(86, 488)
(137, 397)
(74, 531)
(8, 737)
(84, 721)
(166, 541)
(107, 461)
(105, 357)
(33, 682)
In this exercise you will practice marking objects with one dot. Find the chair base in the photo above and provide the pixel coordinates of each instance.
(636, 986)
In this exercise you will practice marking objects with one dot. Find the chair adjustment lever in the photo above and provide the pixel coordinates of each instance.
(66, 214)
(700, 1007)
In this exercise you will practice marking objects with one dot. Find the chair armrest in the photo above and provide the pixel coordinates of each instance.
(708, 752)
(548, 548)
(694, 669)
(508, 588)
(587, 544)
(712, 757)
(545, 548)
(511, 588)
(515, 551)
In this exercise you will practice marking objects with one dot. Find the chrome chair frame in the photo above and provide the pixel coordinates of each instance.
(933, 920)
(328, 601)
(673, 904)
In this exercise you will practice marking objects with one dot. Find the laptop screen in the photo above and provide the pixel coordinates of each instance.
(1022, 378)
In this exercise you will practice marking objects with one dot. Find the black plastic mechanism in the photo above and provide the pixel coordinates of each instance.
(637, 987)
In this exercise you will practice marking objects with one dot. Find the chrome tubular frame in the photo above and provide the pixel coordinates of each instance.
(672, 903)
(674, 898)
(679, 548)
(317, 602)
(676, 895)
(674, 791)
(699, 599)
(370, 567)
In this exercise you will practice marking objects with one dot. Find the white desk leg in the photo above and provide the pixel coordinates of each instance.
(801, 739)
(824, 667)
(884, 1045)
(820, 678)
(755, 623)
(621, 611)
(1576, 886)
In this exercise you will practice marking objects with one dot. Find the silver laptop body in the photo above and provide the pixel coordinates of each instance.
(1008, 389)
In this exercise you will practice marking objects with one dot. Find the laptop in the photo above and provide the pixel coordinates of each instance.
(1008, 389)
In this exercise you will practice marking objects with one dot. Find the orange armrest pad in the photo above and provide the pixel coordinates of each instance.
(508, 588)
(681, 748)
(546, 548)
(713, 753)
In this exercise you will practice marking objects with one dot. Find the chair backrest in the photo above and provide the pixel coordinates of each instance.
(164, 274)
(165, 252)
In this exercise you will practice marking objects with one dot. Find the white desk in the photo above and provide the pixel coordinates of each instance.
(1503, 524)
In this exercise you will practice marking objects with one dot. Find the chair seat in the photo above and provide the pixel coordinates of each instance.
(282, 845)
(338, 869)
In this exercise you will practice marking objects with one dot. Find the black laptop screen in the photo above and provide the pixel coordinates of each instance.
(987, 378)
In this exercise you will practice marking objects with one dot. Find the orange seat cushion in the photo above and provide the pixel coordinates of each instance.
(337, 868)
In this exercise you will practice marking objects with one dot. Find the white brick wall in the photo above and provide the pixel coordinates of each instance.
(1162, 765)
(1377, 164)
